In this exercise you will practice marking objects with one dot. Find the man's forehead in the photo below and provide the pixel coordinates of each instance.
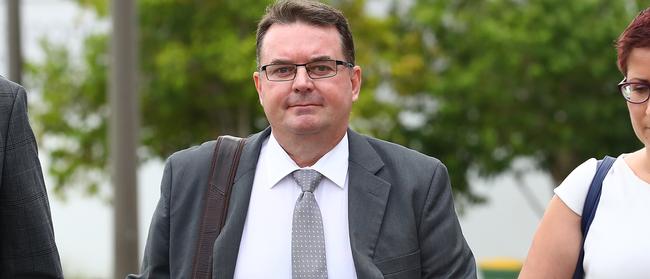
(303, 24)
(284, 41)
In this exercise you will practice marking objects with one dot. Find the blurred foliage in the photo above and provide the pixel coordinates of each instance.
(196, 65)
(480, 83)
(474, 83)
(74, 114)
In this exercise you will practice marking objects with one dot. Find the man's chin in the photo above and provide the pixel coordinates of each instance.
(306, 130)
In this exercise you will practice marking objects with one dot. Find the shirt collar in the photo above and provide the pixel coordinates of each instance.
(333, 165)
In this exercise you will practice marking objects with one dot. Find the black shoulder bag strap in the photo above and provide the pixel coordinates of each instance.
(225, 160)
(589, 209)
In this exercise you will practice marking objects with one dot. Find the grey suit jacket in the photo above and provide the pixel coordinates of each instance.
(401, 215)
(27, 247)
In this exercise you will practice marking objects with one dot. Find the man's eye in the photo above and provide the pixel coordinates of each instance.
(282, 70)
(321, 69)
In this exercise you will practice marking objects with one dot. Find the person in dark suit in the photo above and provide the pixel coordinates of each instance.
(27, 246)
(373, 209)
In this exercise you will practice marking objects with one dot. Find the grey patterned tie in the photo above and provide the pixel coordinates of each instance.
(307, 240)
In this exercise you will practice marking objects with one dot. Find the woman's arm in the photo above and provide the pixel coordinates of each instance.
(556, 245)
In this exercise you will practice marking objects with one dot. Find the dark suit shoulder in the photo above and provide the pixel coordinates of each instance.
(192, 163)
(9, 88)
(15, 130)
(402, 156)
(197, 154)
(9, 92)
(409, 172)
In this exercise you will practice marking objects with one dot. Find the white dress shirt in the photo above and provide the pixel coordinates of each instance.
(265, 248)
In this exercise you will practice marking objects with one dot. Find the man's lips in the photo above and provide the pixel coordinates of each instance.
(304, 105)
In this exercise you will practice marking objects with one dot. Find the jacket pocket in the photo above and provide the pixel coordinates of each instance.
(402, 265)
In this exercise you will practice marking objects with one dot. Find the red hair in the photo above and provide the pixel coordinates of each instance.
(636, 35)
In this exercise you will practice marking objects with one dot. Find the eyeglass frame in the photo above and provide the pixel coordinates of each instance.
(624, 82)
(336, 69)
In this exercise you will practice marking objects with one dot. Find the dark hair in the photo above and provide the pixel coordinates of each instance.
(310, 12)
(636, 35)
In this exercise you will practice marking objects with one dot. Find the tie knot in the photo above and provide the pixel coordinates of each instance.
(307, 179)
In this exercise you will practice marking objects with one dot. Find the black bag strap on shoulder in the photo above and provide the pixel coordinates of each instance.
(225, 160)
(589, 209)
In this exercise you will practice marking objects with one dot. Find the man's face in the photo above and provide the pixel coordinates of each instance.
(306, 106)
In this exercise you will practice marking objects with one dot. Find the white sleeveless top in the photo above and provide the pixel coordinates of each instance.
(618, 242)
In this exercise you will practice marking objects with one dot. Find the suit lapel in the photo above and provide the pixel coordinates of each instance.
(226, 246)
(367, 198)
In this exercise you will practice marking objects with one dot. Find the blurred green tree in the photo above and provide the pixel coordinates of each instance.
(481, 83)
(196, 65)
(474, 83)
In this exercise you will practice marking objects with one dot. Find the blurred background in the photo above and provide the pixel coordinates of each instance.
(510, 94)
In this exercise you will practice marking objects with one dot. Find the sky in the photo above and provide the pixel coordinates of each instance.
(83, 225)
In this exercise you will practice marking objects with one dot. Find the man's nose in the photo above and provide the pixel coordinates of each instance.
(302, 81)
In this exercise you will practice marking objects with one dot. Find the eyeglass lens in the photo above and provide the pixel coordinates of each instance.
(315, 70)
(636, 92)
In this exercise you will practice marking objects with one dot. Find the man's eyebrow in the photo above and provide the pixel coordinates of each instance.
(317, 58)
(280, 61)
(320, 58)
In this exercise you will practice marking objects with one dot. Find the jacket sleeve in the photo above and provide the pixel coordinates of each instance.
(155, 263)
(445, 253)
(27, 246)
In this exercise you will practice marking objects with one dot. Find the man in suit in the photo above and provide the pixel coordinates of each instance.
(378, 210)
(27, 247)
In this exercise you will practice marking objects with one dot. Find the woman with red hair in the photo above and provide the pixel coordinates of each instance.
(618, 239)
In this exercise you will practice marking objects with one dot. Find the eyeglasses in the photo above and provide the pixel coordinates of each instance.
(635, 92)
(315, 70)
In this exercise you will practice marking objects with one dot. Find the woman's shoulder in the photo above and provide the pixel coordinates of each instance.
(573, 190)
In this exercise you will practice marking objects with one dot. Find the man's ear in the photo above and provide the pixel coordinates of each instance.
(258, 86)
(355, 79)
